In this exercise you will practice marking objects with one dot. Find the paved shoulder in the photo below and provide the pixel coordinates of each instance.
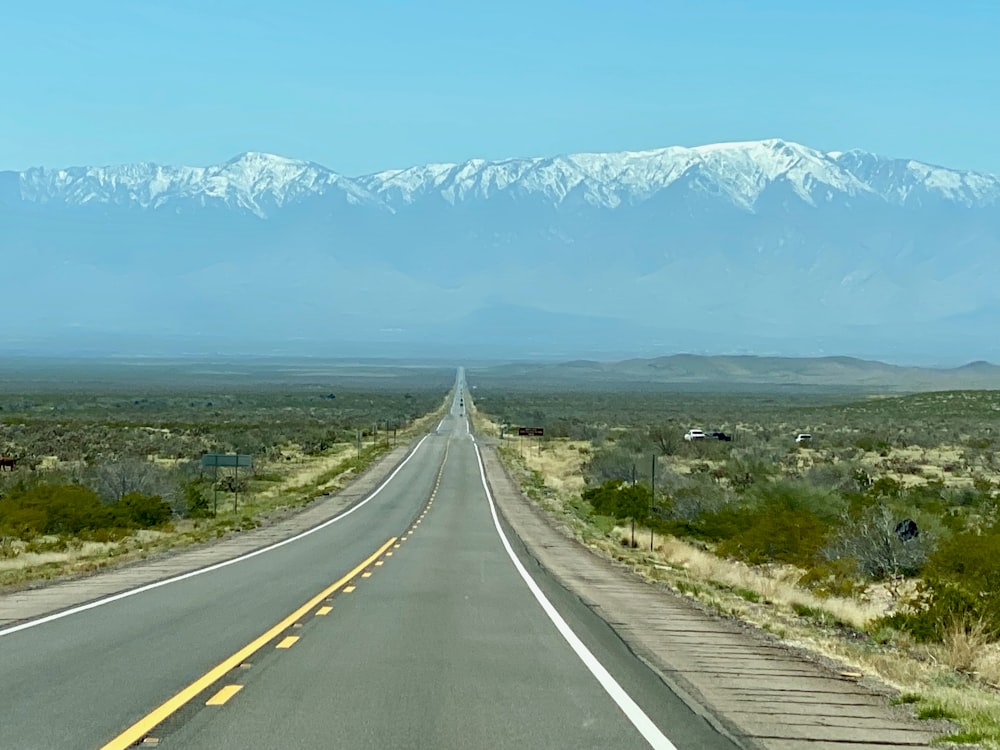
(764, 693)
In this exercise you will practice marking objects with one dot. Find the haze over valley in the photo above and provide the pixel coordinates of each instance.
(762, 247)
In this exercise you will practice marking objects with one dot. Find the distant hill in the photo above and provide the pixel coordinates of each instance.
(708, 372)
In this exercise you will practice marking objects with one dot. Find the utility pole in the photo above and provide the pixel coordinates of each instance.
(633, 516)
(652, 494)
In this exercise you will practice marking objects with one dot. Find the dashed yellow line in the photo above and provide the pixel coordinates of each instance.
(141, 728)
(220, 698)
(137, 731)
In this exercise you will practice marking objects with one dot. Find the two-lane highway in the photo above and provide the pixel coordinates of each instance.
(410, 621)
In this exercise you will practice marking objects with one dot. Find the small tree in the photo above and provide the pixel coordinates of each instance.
(113, 481)
(870, 538)
(196, 500)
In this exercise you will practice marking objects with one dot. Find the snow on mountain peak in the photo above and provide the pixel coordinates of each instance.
(252, 181)
(740, 172)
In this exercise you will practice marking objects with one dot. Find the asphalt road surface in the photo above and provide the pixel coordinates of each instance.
(415, 620)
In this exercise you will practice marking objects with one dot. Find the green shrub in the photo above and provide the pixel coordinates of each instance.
(961, 588)
(196, 499)
(872, 444)
(969, 559)
(105, 535)
(934, 711)
(619, 500)
(53, 509)
(778, 535)
(143, 511)
(777, 521)
(72, 509)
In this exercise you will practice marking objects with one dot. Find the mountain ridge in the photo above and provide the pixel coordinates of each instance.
(739, 171)
(714, 371)
(750, 247)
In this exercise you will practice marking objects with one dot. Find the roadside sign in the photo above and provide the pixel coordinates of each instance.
(531, 431)
(230, 461)
(216, 460)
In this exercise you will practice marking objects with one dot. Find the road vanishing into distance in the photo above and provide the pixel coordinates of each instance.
(416, 619)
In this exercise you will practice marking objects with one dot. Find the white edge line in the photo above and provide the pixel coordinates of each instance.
(650, 732)
(210, 568)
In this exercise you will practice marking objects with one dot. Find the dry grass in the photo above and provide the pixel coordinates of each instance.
(968, 649)
(562, 468)
(775, 584)
(300, 470)
(71, 556)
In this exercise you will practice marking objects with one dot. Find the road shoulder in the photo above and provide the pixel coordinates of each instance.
(761, 691)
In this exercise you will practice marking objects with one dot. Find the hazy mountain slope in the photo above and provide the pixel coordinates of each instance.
(714, 372)
(763, 247)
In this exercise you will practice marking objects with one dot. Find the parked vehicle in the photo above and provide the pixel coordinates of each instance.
(694, 435)
(719, 435)
(803, 437)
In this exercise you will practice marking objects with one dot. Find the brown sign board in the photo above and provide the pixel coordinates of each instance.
(531, 431)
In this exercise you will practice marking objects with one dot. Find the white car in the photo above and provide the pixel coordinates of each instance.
(694, 435)
(803, 437)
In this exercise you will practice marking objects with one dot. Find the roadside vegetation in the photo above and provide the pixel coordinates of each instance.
(105, 475)
(877, 542)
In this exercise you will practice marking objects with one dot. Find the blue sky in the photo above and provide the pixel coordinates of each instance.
(362, 86)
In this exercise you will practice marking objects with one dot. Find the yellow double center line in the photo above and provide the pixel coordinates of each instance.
(157, 716)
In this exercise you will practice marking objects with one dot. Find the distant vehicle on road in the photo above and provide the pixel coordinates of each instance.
(719, 435)
(803, 437)
(694, 435)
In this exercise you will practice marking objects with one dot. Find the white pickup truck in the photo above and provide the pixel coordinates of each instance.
(694, 435)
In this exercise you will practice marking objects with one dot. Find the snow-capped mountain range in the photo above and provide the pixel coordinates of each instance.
(763, 246)
(739, 172)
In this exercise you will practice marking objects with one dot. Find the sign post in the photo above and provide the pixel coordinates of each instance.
(226, 460)
(531, 432)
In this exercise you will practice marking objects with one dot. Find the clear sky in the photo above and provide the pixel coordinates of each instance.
(366, 85)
